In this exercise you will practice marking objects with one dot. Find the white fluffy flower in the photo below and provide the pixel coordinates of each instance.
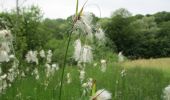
(77, 51)
(3, 76)
(4, 57)
(48, 70)
(86, 55)
(5, 35)
(82, 75)
(102, 95)
(85, 24)
(68, 78)
(31, 56)
(11, 76)
(123, 73)
(36, 73)
(55, 67)
(42, 54)
(167, 93)
(5, 46)
(49, 56)
(103, 65)
(120, 57)
(100, 35)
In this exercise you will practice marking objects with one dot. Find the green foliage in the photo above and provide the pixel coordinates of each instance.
(139, 36)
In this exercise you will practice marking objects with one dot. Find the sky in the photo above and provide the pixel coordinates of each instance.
(101, 8)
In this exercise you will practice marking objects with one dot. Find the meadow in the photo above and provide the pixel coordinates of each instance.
(84, 57)
(124, 82)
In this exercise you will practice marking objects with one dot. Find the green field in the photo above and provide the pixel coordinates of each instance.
(137, 83)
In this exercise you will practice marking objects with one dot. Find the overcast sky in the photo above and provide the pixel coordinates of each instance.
(65, 8)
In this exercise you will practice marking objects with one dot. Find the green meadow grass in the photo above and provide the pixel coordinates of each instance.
(139, 83)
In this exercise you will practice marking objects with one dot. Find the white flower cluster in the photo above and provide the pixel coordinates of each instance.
(82, 53)
(82, 75)
(85, 24)
(68, 78)
(5, 43)
(51, 69)
(87, 86)
(6, 55)
(31, 57)
(100, 35)
(103, 65)
(120, 57)
(166, 92)
(7, 78)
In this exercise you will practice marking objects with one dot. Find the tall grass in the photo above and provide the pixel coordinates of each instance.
(137, 84)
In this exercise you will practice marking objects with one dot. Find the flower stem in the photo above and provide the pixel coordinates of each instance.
(64, 64)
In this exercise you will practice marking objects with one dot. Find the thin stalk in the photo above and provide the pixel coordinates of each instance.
(64, 63)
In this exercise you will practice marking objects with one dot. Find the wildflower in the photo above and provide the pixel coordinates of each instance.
(86, 55)
(42, 54)
(102, 95)
(31, 56)
(5, 46)
(77, 51)
(3, 76)
(120, 57)
(167, 93)
(82, 75)
(5, 35)
(10, 76)
(36, 73)
(100, 35)
(48, 70)
(49, 56)
(11, 56)
(55, 66)
(68, 78)
(123, 73)
(103, 65)
(84, 23)
(4, 57)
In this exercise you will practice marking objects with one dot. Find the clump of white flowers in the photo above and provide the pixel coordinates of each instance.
(5, 43)
(102, 95)
(86, 56)
(103, 65)
(82, 75)
(7, 55)
(42, 54)
(68, 78)
(51, 69)
(85, 24)
(49, 56)
(166, 92)
(31, 57)
(123, 73)
(100, 35)
(87, 86)
(77, 51)
(82, 53)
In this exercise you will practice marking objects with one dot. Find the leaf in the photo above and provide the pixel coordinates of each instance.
(94, 88)
(77, 4)
(81, 11)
